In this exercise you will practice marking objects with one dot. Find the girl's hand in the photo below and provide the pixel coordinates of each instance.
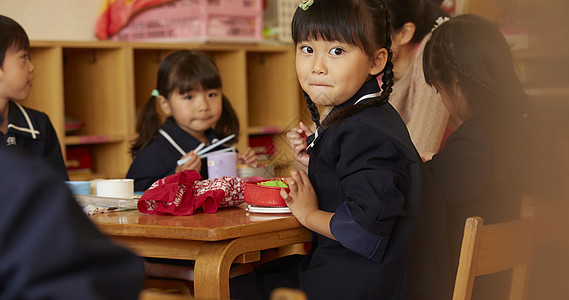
(297, 140)
(303, 204)
(302, 199)
(248, 157)
(194, 163)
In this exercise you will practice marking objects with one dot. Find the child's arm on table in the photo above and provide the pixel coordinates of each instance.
(193, 163)
(303, 204)
(297, 140)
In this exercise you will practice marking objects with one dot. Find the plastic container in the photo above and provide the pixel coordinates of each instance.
(197, 21)
(79, 187)
(285, 12)
(265, 172)
(222, 164)
(116, 188)
(263, 195)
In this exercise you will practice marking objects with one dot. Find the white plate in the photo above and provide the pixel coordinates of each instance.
(267, 209)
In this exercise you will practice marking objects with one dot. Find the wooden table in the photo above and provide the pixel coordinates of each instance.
(214, 241)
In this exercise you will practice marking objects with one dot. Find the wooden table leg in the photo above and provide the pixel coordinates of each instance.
(211, 272)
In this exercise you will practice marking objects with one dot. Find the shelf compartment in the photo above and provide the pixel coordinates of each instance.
(96, 89)
(93, 139)
(258, 130)
(272, 101)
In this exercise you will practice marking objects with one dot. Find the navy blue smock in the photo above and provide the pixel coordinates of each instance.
(159, 158)
(30, 132)
(49, 249)
(367, 171)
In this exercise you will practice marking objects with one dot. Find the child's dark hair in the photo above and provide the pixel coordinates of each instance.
(12, 36)
(362, 23)
(422, 13)
(470, 53)
(183, 71)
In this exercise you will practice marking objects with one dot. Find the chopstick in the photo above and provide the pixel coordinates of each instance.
(201, 152)
(199, 147)
(183, 161)
(230, 149)
(212, 146)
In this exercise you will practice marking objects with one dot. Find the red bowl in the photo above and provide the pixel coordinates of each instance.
(263, 195)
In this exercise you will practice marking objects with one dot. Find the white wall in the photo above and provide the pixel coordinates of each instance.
(54, 19)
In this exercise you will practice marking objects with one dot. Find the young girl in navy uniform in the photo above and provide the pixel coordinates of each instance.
(361, 196)
(484, 168)
(188, 89)
(23, 129)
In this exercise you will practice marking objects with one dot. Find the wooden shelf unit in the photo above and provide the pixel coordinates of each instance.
(105, 84)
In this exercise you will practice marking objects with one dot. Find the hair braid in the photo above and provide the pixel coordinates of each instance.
(315, 115)
(451, 61)
(387, 78)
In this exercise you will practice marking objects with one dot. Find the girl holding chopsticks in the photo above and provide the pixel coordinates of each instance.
(189, 91)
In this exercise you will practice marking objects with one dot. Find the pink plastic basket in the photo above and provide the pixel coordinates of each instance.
(197, 21)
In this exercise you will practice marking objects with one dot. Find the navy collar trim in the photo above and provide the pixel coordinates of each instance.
(182, 141)
(369, 91)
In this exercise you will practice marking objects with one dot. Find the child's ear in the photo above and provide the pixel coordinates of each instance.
(164, 105)
(378, 61)
(405, 34)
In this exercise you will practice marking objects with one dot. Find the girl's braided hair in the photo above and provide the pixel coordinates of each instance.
(469, 55)
(362, 23)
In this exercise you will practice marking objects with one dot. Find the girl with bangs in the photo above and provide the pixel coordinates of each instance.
(362, 194)
(188, 89)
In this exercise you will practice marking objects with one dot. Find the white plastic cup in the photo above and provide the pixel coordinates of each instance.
(222, 164)
(116, 188)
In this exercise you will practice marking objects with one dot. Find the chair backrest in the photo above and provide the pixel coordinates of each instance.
(489, 249)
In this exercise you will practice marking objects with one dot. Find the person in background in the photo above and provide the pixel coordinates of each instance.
(418, 104)
(189, 90)
(23, 129)
(484, 166)
(362, 194)
(49, 249)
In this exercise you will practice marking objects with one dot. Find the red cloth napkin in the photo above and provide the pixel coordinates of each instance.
(183, 193)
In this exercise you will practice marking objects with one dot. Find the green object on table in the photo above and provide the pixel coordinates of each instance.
(274, 183)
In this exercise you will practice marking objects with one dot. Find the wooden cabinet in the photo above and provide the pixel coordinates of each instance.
(104, 85)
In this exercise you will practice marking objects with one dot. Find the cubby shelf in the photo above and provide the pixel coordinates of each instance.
(104, 84)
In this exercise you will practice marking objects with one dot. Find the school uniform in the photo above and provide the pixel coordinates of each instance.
(49, 249)
(31, 132)
(464, 172)
(159, 158)
(366, 171)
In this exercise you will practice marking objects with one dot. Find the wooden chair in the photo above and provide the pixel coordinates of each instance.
(287, 294)
(165, 288)
(157, 295)
(489, 249)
